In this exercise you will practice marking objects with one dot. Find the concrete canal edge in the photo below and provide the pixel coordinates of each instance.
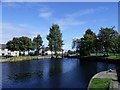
(91, 80)
(114, 84)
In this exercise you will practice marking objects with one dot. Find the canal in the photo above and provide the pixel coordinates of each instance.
(51, 73)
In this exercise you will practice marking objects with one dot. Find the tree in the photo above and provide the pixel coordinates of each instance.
(37, 42)
(107, 37)
(55, 39)
(76, 44)
(13, 44)
(20, 44)
(117, 42)
(96, 44)
(25, 43)
(89, 38)
(85, 45)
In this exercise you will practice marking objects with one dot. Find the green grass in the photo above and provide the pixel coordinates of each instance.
(23, 58)
(113, 57)
(100, 83)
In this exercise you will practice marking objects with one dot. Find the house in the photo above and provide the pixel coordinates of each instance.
(6, 52)
(24, 53)
(47, 51)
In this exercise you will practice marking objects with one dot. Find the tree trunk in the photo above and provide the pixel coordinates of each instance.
(96, 53)
(88, 53)
(28, 52)
(62, 53)
(23, 53)
(56, 54)
(51, 54)
(107, 51)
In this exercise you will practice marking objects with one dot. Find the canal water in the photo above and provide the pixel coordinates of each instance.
(51, 73)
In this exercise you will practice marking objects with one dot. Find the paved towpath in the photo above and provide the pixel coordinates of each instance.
(108, 74)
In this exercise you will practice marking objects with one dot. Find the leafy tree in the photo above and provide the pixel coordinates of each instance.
(85, 45)
(76, 44)
(119, 43)
(55, 39)
(96, 44)
(13, 44)
(107, 41)
(20, 44)
(25, 43)
(89, 38)
(37, 42)
(107, 37)
(117, 48)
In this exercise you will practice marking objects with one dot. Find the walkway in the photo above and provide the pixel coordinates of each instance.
(108, 74)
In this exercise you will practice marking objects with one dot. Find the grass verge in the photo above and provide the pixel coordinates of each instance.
(113, 57)
(22, 58)
(100, 84)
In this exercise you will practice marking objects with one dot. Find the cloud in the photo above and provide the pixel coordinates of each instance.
(87, 12)
(81, 13)
(68, 22)
(10, 30)
(73, 19)
(11, 5)
(11, 27)
(45, 12)
(25, 5)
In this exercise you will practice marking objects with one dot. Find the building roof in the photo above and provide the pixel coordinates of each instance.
(2, 46)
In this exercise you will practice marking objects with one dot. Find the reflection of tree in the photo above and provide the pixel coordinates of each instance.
(88, 70)
(55, 67)
(102, 66)
(20, 71)
(23, 71)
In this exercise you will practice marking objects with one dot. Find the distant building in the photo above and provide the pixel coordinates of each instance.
(24, 53)
(6, 52)
(47, 51)
(42, 51)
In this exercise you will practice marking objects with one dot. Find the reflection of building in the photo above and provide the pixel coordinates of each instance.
(6, 52)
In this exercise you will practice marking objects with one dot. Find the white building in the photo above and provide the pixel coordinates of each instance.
(24, 53)
(49, 52)
(4, 51)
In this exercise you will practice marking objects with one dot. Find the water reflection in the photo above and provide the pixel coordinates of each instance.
(55, 67)
(55, 73)
(104, 66)
(88, 70)
(16, 73)
(23, 71)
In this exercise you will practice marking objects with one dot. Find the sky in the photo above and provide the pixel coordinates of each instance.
(74, 18)
(60, 0)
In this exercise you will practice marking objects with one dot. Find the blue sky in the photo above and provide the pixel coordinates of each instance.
(32, 18)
